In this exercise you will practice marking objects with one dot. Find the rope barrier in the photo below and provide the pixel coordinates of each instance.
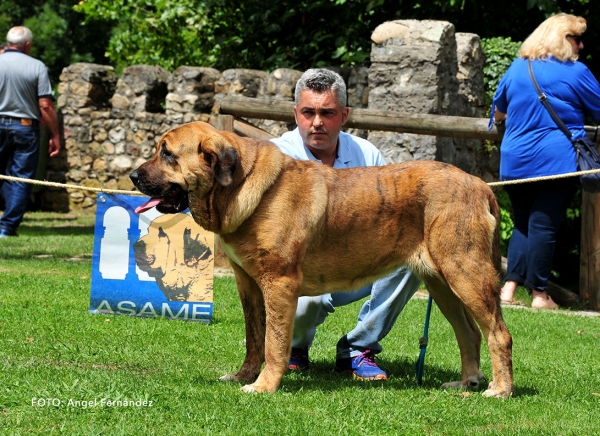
(65, 185)
(120, 191)
(538, 179)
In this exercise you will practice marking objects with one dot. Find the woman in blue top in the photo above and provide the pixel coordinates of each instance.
(534, 146)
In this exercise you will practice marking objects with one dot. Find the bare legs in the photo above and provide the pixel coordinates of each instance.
(541, 299)
(507, 294)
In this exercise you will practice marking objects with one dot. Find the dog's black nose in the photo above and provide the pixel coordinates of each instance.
(134, 176)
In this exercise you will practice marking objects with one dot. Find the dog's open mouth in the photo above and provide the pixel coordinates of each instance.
(174, 201)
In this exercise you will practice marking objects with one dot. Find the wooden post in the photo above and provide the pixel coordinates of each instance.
(589, 253)
(224, 122)
(243, 128)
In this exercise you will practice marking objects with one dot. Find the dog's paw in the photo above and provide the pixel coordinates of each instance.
(472, 383)
(454, 385)
(249, 389)
(229, 377)
(256, 388)
(493, 393)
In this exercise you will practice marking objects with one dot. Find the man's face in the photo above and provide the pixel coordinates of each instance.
(320, 118)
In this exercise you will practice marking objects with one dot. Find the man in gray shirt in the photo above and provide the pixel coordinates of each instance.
(25, 100)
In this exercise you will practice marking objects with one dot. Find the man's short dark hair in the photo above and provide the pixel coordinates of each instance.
(322, 80)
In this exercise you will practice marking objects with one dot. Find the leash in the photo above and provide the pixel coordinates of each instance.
(423, 344)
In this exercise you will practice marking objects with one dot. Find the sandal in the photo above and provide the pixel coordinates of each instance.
(511, 303)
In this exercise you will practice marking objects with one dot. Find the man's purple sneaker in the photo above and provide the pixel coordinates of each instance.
(299, 359)
(362, 367)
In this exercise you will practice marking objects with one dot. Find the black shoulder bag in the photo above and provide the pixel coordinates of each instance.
(587, 156)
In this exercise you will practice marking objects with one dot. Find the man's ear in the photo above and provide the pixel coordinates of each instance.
(345, 114)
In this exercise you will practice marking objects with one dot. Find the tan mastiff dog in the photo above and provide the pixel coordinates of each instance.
(293, 228)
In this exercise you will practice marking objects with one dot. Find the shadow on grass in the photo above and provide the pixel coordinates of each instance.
(25, 230)
(401, 373)
(54, 217)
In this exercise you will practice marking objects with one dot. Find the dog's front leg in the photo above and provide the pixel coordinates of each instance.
(254, 314)
(281, 300)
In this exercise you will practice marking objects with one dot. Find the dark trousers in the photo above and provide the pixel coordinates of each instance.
(19, 147)
(538, 209)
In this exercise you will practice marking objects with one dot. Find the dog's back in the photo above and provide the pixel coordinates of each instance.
(359, 224)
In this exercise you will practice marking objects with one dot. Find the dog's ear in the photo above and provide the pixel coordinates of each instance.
(222, 158)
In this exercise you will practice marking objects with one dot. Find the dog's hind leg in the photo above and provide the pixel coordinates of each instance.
(254, 313)
(466, 331)
(484, 305)
(481, 297)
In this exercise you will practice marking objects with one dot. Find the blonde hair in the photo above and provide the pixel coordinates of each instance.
(550, 38)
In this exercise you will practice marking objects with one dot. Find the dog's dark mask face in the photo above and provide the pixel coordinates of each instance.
(172, 200)
(151, 179)
(189, 159)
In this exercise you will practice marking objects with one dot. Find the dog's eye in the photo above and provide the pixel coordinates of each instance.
(167, 155)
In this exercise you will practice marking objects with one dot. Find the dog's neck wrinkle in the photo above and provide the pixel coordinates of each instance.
(238, 201)
(205, 214)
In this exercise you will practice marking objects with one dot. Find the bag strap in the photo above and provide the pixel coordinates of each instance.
(544, 100)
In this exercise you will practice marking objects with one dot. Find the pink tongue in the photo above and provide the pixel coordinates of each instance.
(148, 205)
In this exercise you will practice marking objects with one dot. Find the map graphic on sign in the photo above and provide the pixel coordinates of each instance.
(150, 264)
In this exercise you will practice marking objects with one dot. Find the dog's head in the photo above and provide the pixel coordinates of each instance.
(219, 175)
(189, 158)
(177, 253)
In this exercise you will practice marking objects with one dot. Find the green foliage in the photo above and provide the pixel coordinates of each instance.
(235, 34)
(500, 52)
(251, 34)
(50, 30)
(286, 33)
(58, 37)
(169, 33)
(506, 223)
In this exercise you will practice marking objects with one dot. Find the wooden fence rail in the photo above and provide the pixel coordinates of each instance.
(370, 119)
(434, 125)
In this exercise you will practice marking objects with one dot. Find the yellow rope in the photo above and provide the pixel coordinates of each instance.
(120, 191)
(65, 185)
(538, 179)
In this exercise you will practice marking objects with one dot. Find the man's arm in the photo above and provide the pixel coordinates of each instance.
(499, 117)
(49, 116)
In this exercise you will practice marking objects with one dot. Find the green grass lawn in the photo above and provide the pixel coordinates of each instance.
(60, 366)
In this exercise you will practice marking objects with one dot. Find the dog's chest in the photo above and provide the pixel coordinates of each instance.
(230, 253)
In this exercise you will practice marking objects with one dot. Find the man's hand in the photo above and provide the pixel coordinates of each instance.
(49, 116)
(54, 145)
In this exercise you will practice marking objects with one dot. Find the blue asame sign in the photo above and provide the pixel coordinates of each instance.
(150, 264)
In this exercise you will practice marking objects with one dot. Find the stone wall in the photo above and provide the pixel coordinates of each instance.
(424, 67)
(111, 123)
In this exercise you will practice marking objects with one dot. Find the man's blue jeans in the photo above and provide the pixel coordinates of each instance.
(538, 209)
(377, 316)
(19, 148)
